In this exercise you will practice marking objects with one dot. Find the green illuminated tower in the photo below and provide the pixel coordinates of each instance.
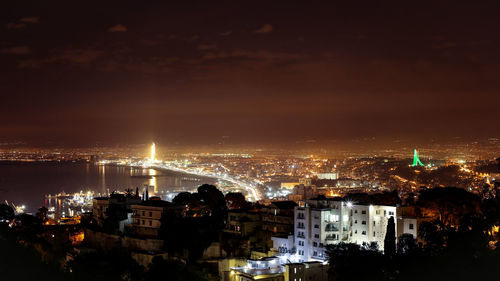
(416, 160)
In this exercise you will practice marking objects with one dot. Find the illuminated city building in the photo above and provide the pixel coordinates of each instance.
(277, 218)
(269, 268)
(148, 214)
(327, 176)
(101, 206)
(243, 222)
(277, 268)
(324, 221)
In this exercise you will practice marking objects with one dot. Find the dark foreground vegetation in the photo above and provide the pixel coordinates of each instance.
(462, 243)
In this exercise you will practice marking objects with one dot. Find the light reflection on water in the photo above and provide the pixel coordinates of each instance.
(28, 183)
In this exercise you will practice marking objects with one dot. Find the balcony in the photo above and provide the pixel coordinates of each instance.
(330, 238)
(331, 227)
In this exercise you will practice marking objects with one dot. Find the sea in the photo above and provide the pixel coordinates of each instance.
(28, 183)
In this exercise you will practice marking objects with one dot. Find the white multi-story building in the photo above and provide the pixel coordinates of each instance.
(326, 221)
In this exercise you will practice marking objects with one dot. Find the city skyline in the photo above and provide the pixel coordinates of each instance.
(254, 73)
(249, 140)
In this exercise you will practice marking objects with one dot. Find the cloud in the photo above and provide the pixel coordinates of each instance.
(74, 57)
(18, 50)
(22, 23)
(262, 54)
(15, 25)
(445, 45)
(226, 33)
(266, 28)
(117, 28)
(207, 46)
(29, 20)
(193, 38)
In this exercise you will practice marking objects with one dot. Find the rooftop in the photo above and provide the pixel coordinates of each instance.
(284, 204)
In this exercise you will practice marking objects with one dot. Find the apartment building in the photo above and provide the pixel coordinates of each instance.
(324, 221)
(148, 214)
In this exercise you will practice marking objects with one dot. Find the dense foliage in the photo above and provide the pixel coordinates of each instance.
(459, 244)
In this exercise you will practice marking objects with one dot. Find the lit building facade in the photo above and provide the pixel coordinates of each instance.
(332, 220)
(148, 214)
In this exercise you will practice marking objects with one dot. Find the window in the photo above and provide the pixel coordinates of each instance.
(316, 226)
(316, 235)
(355, 211)
(143, 213)
(373, 223)
(363, 233)
(301, 243)
(363, 222)
(377, 212)
(356, 231)
(363, 212)
(315, 253)
(385, 212)
(391, 213)
(411, 225)
(355, 221)
(150, 214)
(315, 244)
(150, 223)
(143, 223)
(321, 245)
(295, 270)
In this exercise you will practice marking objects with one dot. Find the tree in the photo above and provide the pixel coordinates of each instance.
(407, 244)
(345, 259)
(190, 238)
(448, 204)
(42, 214)
(215, 200)
(183, 198)
(390, 238)
(172, 270)
(114, 214)
(6, 212)
(105, 266)
(236, 201)
(30, 225)
(432, 237)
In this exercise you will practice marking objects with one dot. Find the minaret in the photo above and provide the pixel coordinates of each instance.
(153, 152)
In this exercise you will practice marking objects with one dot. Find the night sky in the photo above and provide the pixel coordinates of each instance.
(190, 72)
